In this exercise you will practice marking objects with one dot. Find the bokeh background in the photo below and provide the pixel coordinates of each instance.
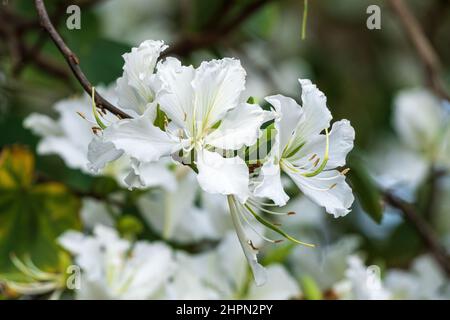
(361, 71)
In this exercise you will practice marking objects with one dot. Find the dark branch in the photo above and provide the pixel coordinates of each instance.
(424, 231)
(73, 61)
(422, 45)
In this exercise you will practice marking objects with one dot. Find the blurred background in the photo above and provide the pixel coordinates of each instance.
(376, 78)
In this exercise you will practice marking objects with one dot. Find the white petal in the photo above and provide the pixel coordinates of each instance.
(317, 117)
(42, 125)
(259, 272)
(150, 174)
(341, 138)
(218, 85)
(239, 127)
(289, 114)
(135, 87)
(280, 285)
(74, 156)
(94, 212)
(328, 189)
(140, 139)
(418, 118)
(176, 96)
(222, 175)
(101, 153)
(271, 186)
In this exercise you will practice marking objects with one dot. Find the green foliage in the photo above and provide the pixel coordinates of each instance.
(365, 189)
(310, 289)
(32, 215)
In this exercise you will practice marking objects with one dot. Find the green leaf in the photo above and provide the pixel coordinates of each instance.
(278, 254)
(310, 288)
(32, 216)
(365, 189)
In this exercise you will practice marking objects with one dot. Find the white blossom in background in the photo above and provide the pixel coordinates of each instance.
(423, 141)
(114, 268)
(70, 135)
(425, 280)
(176, 215)
(133, 21)
(96, 212)
(223, 274)
(361, 282)
(325, 265)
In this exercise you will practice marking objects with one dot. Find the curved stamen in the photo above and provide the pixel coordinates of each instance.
(325, 159)
(94, 110)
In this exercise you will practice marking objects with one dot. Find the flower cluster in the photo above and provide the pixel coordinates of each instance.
(183, 116)
(196, 117)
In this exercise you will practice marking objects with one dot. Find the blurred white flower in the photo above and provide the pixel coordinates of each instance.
(308, 157)
(95, 212)
(133, 21)
(223, 274)
(326, 265)
(423, 124)
(361, 282)
(113, 268)
(70, 135)
(176, 215)
(425, 280)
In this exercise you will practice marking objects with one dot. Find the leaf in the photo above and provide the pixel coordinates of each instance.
(365, 189)
(310, 288)
(278, 254)
(16, 168)
(32, 216)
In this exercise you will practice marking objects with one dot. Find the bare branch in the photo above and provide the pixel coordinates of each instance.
(422, 45)
(424, 231)
(73, 61)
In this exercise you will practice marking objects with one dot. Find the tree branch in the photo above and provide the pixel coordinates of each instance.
(422, 45)
(424, 231)
(73, 61)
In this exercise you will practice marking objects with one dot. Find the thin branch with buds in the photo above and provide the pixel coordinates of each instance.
(73, 61)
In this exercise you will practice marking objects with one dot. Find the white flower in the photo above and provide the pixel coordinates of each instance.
(425, 280)
(223, 274)
(136, 88)
(361, 283)
(114, 269)
(205, 111)
(326, 265)
(70, 135)
(419, 119)
(94, 212)
(308, 157)
(175, 215)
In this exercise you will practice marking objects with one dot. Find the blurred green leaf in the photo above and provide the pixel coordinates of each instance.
(278, 254)
(129, 226)
(310, 289)
(365, 189)
(32, 215)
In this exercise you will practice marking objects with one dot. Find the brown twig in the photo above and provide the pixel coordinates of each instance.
(424, 231)
(422, 45)
(73, 61)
